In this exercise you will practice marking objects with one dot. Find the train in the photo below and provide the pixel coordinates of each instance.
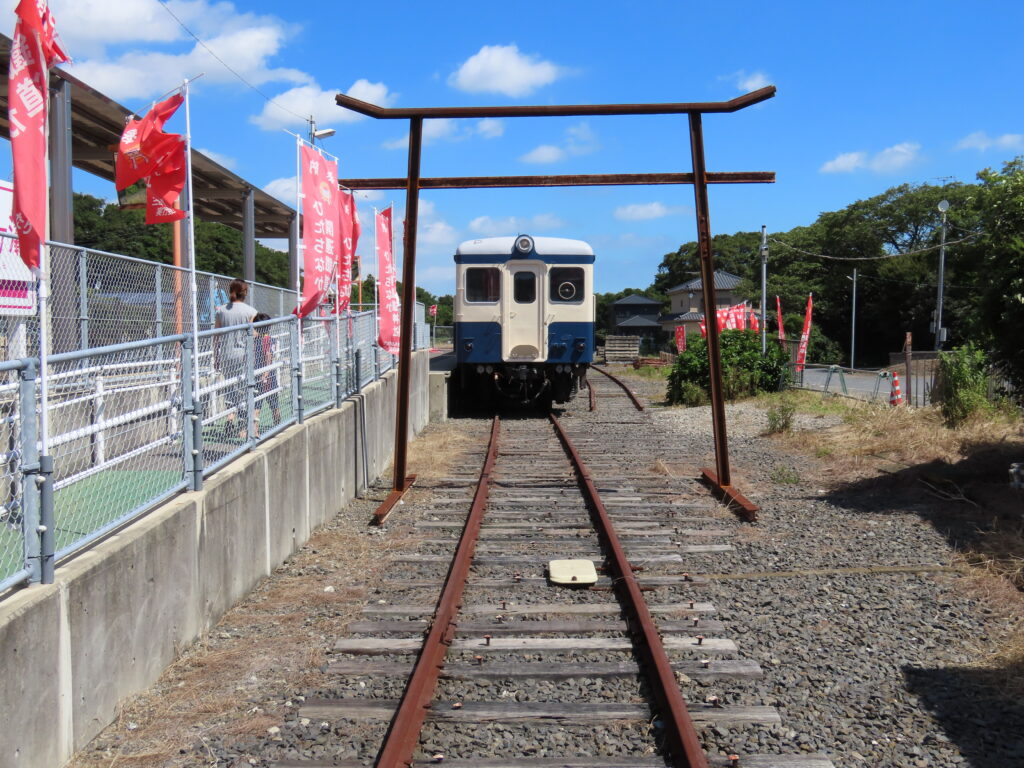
(524, 319)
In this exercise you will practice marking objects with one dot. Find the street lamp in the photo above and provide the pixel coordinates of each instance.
(940, 332)
(314, 134)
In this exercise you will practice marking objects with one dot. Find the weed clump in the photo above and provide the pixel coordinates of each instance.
(962, 386)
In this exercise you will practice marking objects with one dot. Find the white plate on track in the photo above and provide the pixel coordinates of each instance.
(572, 572)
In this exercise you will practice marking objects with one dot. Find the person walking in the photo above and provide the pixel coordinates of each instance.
(229, 354)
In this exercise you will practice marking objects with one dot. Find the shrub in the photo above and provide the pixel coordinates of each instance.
(962, 384)
(745, 371)
(780, 418)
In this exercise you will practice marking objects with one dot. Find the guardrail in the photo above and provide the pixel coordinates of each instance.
(869, 385)
(134, 423)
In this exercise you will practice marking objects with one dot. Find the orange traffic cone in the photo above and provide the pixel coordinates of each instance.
(896, 395)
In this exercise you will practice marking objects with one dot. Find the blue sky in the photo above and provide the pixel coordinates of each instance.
(870, 95)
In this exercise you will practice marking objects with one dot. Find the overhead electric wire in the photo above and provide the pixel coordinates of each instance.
(872, 258)
(223, 63)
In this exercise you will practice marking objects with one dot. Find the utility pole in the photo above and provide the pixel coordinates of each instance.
(853, 321)
(940, 332)
(764, 289)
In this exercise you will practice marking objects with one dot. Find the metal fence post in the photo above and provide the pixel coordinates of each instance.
(47, 523)
(336, 387)
(29, 447)
(250, 385)
(192, 419)
(159, 300)
(293, 331)
(83, 299)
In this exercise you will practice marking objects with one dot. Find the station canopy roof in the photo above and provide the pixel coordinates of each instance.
(96, 125)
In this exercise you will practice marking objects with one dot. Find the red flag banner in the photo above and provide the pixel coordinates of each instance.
(320, 241)
(348, 228)
(390, 309)
(805, 335)
(144, 146)
(703, 329)
(433, 310)
(33, 51)
(680, 338)
(778, 309)
(755, 322)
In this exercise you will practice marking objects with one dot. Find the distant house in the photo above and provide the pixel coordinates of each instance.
(687, 301)
(636, 316)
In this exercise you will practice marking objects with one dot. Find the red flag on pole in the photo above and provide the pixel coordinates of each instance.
(755, 323)
(348, 223)
(320, 241)
(144, 146)
(805, 335)
(680, 338)
(703, 329)
(433, 310)
(164, 185)
(390, 308)
(33, 51)
(778, 309)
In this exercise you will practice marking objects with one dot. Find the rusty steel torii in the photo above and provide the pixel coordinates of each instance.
(719, 479)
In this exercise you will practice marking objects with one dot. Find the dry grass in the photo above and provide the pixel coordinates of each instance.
(958, 478)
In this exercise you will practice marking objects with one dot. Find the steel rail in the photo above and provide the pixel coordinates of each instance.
(681, 736)
(403, 733)
(593, 397)
(627, 390)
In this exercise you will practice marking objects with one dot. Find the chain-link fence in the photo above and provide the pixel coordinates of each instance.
(132, 423)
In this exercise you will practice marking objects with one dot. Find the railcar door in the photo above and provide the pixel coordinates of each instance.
(523, 321)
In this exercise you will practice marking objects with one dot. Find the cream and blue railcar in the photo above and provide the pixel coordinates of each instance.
(524, 317)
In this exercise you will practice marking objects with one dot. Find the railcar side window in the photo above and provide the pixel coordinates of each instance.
(483, 284)
(524, 287)
(566, 285)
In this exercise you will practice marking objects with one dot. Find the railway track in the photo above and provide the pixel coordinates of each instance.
(508, 669)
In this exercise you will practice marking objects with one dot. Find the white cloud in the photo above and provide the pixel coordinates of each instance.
(895, 157)
(313, 100)
(579, 140)
(503, 69)
(890, 159)
(490, 128)
(647, 211)
(141, 75)
(981, 141)
(545, 153)
(747, 81)
(845, 162)
(512, 225)
(433, 130)
(369, 195)
(217, 157)
(284, 190)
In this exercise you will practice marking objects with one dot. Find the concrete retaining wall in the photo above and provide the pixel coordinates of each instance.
(119, 613)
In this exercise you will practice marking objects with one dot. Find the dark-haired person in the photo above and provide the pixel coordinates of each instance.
(229, 353)
(266, 381)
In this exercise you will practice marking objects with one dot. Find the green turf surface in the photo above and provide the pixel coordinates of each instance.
(90, 504)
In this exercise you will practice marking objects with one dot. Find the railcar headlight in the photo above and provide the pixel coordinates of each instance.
(524, 244)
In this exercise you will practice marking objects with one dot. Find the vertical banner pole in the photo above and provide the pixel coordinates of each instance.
(707, 273)
(764, 289)
(408, 302)
(191, 232)
(300, 249)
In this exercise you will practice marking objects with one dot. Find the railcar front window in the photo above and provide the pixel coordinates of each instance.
(524, 287)
(566, 285)
(483, 284)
